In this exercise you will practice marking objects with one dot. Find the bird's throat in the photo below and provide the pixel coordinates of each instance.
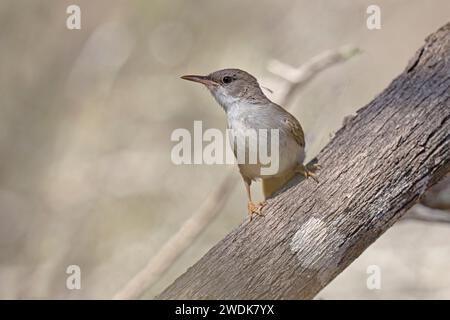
(224, 100)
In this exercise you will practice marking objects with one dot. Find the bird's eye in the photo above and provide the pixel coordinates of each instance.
(227, 79)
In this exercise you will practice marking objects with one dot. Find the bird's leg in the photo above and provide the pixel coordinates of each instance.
(252, 207)
(308, 171)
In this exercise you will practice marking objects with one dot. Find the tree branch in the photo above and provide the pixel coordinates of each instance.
(374, 169)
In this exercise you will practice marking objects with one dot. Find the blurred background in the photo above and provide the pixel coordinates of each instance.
(86, 117)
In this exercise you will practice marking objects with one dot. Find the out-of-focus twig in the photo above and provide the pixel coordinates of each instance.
(173, 248)
(434, 206)
(298, 77)
(424, 213)
(158, 265)
(438, 197)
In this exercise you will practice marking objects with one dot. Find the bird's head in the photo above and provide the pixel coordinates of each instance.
(229, 86)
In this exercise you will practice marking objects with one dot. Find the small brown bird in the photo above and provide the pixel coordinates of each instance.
(247, 107)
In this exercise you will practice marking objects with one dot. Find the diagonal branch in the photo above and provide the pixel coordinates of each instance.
(375, 168)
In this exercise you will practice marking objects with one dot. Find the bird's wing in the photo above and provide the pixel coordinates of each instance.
(294, 127)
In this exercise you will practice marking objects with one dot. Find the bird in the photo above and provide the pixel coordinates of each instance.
(248, 108)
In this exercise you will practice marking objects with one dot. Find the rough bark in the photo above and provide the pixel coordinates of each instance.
(375, 168)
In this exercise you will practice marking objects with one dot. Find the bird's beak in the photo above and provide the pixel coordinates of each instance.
(200, 79)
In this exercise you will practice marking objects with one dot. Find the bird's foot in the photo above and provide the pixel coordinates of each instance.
(309, 171)
(255, 209)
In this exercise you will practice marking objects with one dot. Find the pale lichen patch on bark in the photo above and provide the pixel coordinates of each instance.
(312, 231)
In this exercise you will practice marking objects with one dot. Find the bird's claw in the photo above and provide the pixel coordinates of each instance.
(255, 209)
(308, 171)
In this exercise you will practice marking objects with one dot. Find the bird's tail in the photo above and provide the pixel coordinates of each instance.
(271, 185)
